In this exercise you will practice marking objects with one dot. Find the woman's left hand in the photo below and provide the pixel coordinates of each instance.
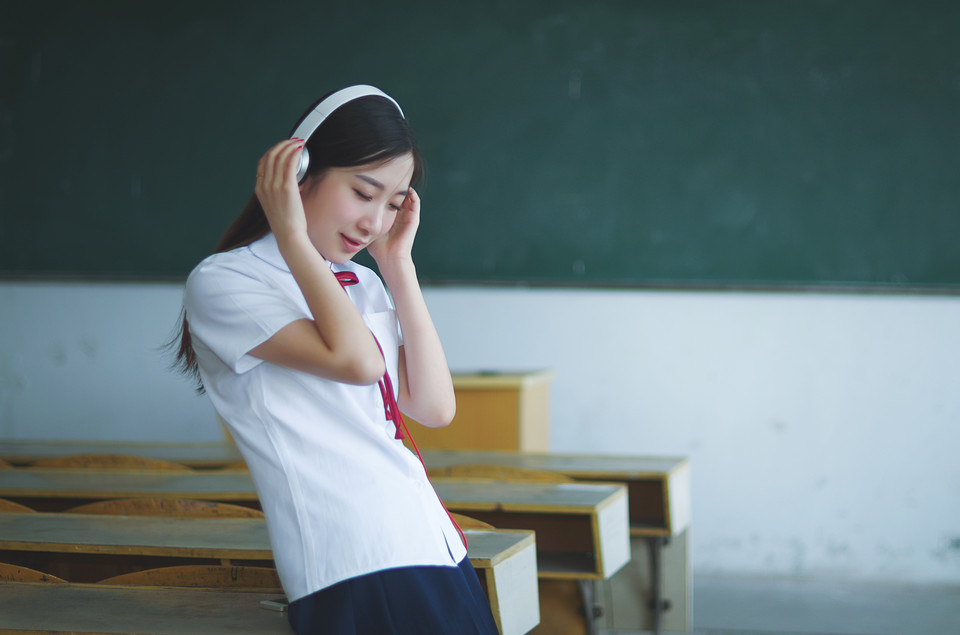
(397, 244)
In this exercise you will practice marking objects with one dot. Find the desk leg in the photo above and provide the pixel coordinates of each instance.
(658, 575)
(656, 581)
(590, 609)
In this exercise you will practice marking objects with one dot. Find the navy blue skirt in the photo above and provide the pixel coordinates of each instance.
(404, 601)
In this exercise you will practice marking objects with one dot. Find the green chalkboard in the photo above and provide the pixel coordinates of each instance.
(671, 143)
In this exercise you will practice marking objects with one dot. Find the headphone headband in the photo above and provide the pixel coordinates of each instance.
(322, 110)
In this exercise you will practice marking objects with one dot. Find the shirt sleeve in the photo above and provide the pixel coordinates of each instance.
(232, 311)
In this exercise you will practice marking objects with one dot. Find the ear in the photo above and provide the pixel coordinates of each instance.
(310, 181)
(306, 184)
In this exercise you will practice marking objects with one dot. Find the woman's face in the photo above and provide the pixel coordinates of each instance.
(349, 208)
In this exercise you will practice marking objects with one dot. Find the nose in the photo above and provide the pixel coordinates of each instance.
(372, 220)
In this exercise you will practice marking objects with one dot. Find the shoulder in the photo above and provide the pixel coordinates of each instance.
(228, 276)
(223, 265)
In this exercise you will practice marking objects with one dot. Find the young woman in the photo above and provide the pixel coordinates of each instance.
(306, 359)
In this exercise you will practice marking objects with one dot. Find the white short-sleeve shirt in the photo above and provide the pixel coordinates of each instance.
(341, 495)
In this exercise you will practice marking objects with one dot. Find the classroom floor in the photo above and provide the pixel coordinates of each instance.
(752, 606)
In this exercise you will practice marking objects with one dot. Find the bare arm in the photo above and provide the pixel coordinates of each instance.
(336, 344)
(425, 386)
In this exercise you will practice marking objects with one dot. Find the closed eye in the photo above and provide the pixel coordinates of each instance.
(363, 196)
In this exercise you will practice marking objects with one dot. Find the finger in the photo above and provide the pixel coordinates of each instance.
(261, 172)
(292, 160)
(287, 160)
(265, 165)
(279, 159)
(268, 180)
(412, 200)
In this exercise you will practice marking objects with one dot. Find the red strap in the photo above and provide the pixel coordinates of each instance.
(417, 450)
(390, 407)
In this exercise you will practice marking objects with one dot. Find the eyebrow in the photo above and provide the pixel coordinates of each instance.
(377, 184)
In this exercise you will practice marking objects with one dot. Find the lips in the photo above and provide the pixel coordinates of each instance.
(351, 244)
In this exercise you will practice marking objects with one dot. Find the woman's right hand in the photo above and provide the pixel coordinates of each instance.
(277, 188)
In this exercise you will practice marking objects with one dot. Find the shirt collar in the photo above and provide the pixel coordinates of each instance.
(268, 250)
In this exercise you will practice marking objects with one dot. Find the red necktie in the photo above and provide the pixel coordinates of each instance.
(390, 407)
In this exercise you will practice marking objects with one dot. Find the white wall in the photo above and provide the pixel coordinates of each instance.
(822, 429)
(83, 361)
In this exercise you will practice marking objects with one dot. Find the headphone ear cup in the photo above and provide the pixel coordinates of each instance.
(304, 162)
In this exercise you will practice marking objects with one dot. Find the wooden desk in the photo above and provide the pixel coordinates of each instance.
(505, 560)
(60, 489)
(161, 536)
(197, 455)
(582, 530)
(495, 411)
(594, 514)
(507, 564)
(90, 548)
(658, 488)
(660, 518)
(95, 609)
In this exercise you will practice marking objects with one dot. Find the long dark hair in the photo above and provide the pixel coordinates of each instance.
(367, 130)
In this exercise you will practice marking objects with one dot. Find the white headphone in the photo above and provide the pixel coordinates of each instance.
(313, 120)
